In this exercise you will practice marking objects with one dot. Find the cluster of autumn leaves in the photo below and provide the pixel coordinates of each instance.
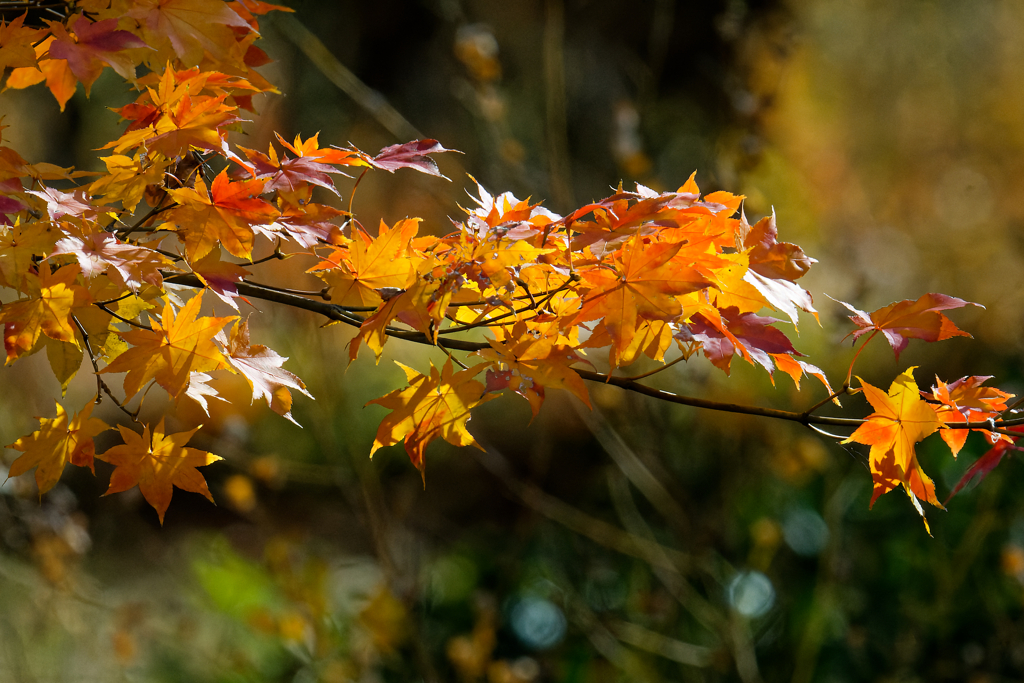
(114, 266)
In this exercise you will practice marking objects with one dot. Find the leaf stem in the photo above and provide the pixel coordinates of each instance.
(849, 374)
(352, 194)
(845, 389)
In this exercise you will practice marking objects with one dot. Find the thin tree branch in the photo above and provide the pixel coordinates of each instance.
(580, 522)
(342, 314)
(101, 386)
(122, 318)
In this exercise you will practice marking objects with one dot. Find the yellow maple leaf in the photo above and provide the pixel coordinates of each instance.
(156, 463)
(47, 312)
(529, 365)
(430, 407)
(901, 419)
(369, 264)
(56, 443)
(176, 346)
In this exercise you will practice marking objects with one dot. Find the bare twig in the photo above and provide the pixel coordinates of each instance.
(101, 386)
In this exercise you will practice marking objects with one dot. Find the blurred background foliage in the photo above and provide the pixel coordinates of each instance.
(637, 542)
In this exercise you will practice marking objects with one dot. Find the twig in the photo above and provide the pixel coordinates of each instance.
(297, 292)
(842, 390)
(122, 318)
(655, 371)
(338, 74)
(576, 520)
(156, 210)
(661, 645)
(101, 386)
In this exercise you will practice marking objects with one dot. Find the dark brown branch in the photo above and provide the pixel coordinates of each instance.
(122, 318)
(341, 314)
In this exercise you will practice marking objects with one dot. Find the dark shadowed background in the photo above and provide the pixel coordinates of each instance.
(637, 542)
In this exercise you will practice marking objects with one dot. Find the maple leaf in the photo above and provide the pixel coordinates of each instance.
(178, 345)
(769, 257)
(309, 224)
(221, 277)
(176, 116)
(517, 218)
(198, 390)
(369, 264)
(48, 312)
(900, 420)
(17, 44)
(430, 407)
(310, 148)
(102, 252)
(190, 26)
(56, 443)
(94, 45)
(8, 206)
(796, 369)
(984, 465)
(411, 155)
(533, 365)
(20, 246)
(65, 360)
(225, 214)
(421, 307)
(156, 463)
(262, 369)
(127, 177)
(60, 204)
(644, 283)
(782, 295)
(905, 320)
(967, 400)
(290, 174)
(752, 335)
(55, 72)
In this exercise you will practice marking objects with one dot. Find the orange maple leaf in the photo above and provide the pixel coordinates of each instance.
(56, 72)
(156, 464)
(17, 44)
(176, 346)
(369, 264)
(47, 312)
(225, 214)
(421, 307)
(430, 407)
(900, 420)
(56, 443)
(966, 400)
(643, 284)
(310, 147)
(532, 365)
(176, 116)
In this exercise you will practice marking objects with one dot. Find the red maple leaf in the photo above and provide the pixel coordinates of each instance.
(905, 320)
(411, 155)
(98, 44)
